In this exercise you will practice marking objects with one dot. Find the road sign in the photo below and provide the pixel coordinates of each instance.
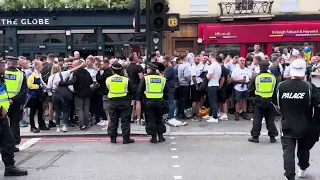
(172, 22)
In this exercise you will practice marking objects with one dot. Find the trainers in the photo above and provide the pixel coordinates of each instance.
(196, 118)
(302, 173)
(102, 123)
(83, 127)
(58, 129)
(23, 124)
(273, 140)
(236, 116)
(206, 117)
(77, 128)
(254, 139)
(224, 117)
(64, 128)
(213, 120)
(245, 116)
(52, 124)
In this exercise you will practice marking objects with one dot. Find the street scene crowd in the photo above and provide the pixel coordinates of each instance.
(81, 92)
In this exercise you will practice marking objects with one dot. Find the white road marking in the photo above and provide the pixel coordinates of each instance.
(173, 149)
(172, 137)
(177, 177)
(176, 166)
(175, 157)
(173, 143)
(28, 143)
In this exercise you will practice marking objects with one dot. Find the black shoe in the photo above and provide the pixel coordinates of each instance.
(273, 140)
(161, 138)
(15, 149)
(153, 139)
(236, 116)
(291, 178)
(52, 124)
(254, 140)
(128, 141)
(14, 171)
(34, 130)
(245, 116)
(113, 140)
(44, 128)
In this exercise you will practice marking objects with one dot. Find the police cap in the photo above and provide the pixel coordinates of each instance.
(264, 63)
(116, 66)
(11, 58)
(151, 66)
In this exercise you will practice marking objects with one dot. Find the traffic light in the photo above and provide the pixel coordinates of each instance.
(158, 13)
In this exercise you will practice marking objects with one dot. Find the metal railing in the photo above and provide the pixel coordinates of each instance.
(245, 8)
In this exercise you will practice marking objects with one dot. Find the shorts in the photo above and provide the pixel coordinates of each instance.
(240, 95)
(195, 94)
(222, 95)
(177, 93)
(105, 101)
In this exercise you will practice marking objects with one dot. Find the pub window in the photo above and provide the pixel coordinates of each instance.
(1, 39)
(84, 38)
(244, 5)
(118, 37)
(42, 38)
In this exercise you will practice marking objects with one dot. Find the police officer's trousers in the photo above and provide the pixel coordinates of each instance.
(263, 108)
(6, 143)
(153, 117)
(119, 108)
(303, 153)
(15, 114)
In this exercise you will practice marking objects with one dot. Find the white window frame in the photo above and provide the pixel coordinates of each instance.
(199, 5)
(287, 6)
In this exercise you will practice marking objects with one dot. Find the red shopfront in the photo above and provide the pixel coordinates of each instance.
(239, 38)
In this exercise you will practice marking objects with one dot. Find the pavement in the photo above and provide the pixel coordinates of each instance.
(180, 157)
(230, 127)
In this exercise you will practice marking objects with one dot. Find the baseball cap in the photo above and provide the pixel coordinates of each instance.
(298, 68)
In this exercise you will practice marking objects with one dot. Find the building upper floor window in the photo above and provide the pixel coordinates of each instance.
(84, 38)
(199, 6)
(42, 38)
(244, 5)
(289, 5)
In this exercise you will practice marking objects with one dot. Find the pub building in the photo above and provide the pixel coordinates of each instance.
(101, 32)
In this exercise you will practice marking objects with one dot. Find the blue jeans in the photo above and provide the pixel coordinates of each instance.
(170, 102)
(212, 96)
(60, 106)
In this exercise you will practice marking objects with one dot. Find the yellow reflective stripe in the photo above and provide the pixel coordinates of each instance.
(125, 90)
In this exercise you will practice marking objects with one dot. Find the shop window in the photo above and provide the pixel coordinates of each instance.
(118, 37)
(227, 49)
(289, 5)
(244, 5)
(297, 45)
(84, 38)
(42, 38)
(199, 6)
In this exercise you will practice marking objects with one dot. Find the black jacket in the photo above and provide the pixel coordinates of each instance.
(142, 88)
(81, 81)
(21, 96)
(101, 79)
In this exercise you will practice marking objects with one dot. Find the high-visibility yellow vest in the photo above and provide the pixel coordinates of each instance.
(265, 84)
(4, 100)
(154, 86)
(117, 85)
(13, 80)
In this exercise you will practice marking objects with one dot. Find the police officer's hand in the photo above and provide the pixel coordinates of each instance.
(11, 102)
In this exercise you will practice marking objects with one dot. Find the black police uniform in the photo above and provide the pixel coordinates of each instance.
(296, 99)
(16, 108)
(120, 108)
(153, 110)
(262, 108)
(7, 143)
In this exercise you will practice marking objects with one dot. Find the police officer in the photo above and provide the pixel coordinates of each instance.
(119, 89)
(152, 87)
(262, 89)
(16, 85)
(6, 138)
(299, 127)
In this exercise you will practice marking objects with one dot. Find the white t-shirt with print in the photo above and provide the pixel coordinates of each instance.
(215, 70)
(240, 73)
(196, 71)
(54, 78)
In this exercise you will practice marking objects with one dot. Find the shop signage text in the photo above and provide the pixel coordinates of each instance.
(222, 33)
(280, 32)
(24, 22)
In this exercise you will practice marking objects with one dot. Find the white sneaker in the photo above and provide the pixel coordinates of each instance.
(224, 117)
(103, 123)
(64, 128)
(213, 120)
(206, 117)
(302, 173)
(58, 129)
(219, 114)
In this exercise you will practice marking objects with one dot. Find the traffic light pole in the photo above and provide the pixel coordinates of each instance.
(148, 29)
(137, 16)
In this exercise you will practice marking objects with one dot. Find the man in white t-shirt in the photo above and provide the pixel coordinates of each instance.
(257, 51)
(195, 84)
(214, 75)
(240, 77)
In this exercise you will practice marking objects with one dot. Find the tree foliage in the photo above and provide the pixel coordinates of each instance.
(54, 4)
(33, 4)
